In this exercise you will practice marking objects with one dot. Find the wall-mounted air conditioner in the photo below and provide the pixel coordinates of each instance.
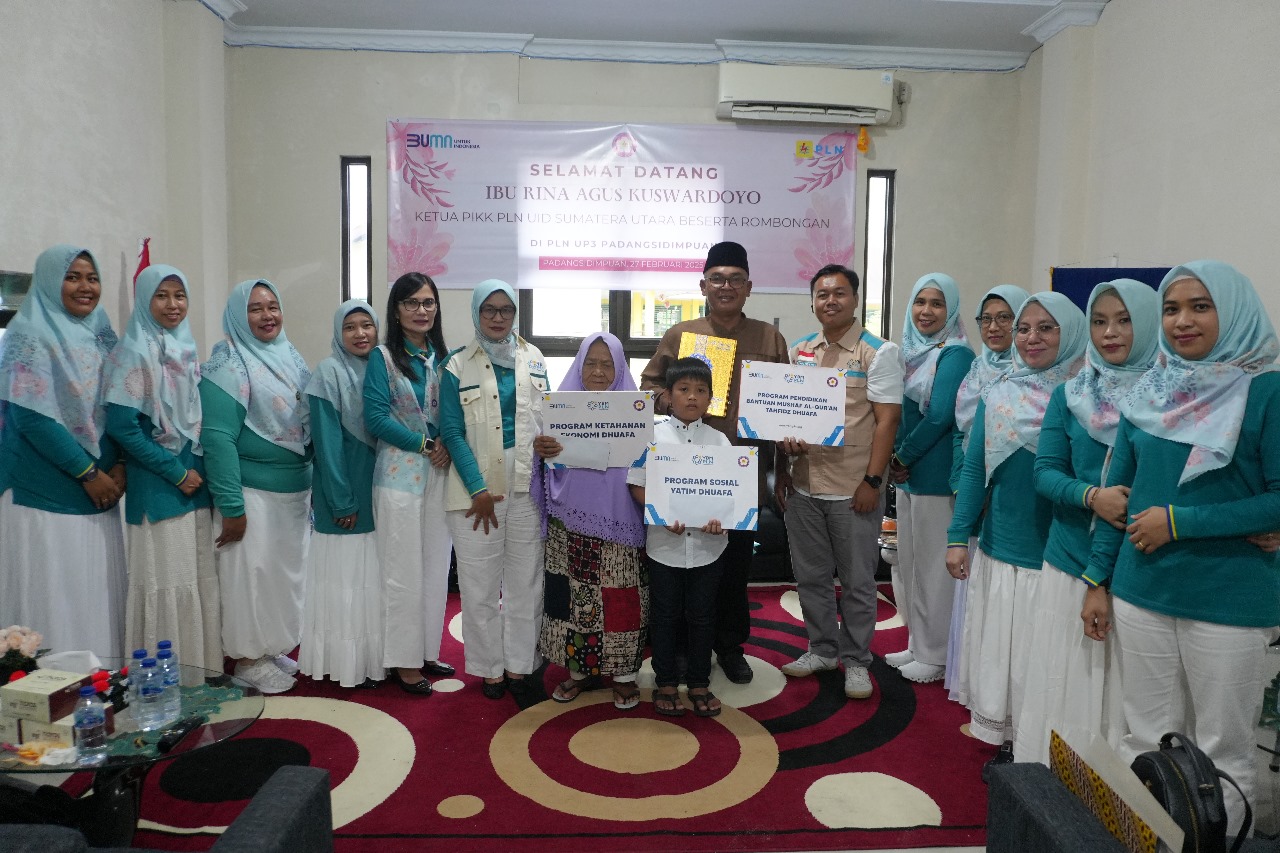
(801, 93)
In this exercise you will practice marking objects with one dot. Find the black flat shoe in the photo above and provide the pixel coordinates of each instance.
(520, 686)
(419, 688)
(438, 669)
(494, 690)
(1004, 755)
(736, 668)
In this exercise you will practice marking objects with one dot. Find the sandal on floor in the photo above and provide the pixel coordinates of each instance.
(702, 704)
(625, 696)
(571, 688)
(668, 704)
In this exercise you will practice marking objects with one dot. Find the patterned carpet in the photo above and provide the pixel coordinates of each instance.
(789, 765)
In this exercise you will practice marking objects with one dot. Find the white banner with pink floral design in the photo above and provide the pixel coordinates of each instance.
(618, 207)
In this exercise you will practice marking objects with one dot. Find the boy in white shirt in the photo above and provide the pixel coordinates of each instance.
(684, 564)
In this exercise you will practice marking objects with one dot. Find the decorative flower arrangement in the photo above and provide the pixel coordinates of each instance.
(20, 646)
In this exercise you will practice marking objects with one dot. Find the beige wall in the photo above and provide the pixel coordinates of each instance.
(1160, 139)
(112, 128)
(1152, 137)
(962, 205)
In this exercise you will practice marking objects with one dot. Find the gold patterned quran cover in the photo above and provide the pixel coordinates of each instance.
(1114, 794)
(718, 354)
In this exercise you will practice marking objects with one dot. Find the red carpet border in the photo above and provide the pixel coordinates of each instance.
(790, 764)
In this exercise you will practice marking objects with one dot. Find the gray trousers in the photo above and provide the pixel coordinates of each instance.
(827, 537)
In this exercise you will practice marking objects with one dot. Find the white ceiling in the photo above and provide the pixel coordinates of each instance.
(995, 35)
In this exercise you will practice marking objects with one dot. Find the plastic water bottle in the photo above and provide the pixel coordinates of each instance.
(135, 674)
(90, 727)
(149, 709)
(167, 667)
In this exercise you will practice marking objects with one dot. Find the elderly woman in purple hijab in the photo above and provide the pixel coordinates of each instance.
(596, 612)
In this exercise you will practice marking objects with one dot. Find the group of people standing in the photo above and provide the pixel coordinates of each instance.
(1108, 515)
(1093, 481)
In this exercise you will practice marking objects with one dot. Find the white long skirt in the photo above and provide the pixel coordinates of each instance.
(1072, 684)
(414, 546)
(262, 576)
(342, 609)
(173, 588)
(954, 679)
(997, 627)
(64, 576)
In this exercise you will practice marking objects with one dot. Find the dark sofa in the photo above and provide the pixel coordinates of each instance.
(291, 813)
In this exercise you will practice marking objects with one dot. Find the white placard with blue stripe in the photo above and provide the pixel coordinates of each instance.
(778, 401)
(593, 426)
(694, 484)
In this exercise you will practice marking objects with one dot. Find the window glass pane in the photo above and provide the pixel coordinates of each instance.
(877, 234)
(357, 214)
(569, 313)
(655, 311)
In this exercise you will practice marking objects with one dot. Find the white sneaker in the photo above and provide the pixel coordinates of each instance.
(922, 673)
(899, 659)
(285, 664)
(264, 675)
(809, 663)
(857, 682)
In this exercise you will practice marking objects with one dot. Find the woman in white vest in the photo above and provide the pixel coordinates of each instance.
(490, 404)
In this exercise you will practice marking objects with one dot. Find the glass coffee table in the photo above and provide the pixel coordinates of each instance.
(215, 708)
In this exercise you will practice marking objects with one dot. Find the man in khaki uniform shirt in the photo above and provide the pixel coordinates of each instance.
(827, 527)
(726, 285)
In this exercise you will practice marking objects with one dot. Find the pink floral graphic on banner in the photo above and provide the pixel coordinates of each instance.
(419, 168)
(423, 251)
(817, 248)
(834, 154)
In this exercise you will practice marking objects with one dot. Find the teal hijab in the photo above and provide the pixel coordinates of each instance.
(1095, 393)
(156, 370)
(989, 364)
(920, 352)
(503, 352)
(1201, 403)
(266, 378)
(340, 377)
(1016, 403)
(51, 362)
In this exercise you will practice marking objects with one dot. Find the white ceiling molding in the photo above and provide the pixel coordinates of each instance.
(400, 41)
(770, 53)
(868, 56)
(1066, 14)
(624, 51)
(224, 9)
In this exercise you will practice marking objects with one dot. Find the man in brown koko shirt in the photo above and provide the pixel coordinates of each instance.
(726, 284)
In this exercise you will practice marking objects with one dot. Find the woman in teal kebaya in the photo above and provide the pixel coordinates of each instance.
(342, 607)
(401, 411)
(258, 459)
(1194, 603)
(996, 485)
(151, 388)
(1072, 684)
(994, 319)
(62, 567)
(936, 358)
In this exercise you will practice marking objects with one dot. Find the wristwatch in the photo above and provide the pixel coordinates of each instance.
(873, 481)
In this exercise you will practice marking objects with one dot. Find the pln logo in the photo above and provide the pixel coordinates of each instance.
(428, 140)
(638, 405)
(832, 382)
(804, 149)
(744, 461)
(703, 459)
